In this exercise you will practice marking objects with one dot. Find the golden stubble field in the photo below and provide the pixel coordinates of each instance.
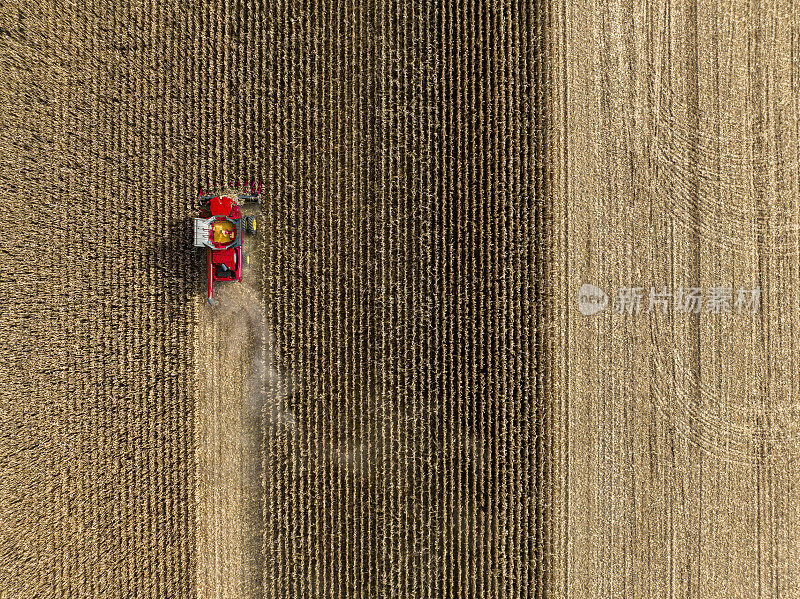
(673, 162)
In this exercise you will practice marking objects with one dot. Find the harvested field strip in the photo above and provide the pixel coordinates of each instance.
(672, 163)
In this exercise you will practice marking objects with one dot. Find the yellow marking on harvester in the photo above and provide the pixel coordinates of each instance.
(224, 231)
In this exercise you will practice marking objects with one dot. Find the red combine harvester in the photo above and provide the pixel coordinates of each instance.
(220, 229)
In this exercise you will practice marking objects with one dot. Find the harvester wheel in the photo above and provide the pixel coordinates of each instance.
(251, 225)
